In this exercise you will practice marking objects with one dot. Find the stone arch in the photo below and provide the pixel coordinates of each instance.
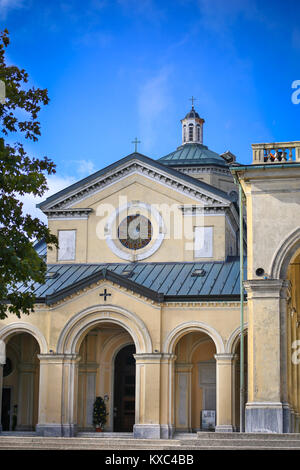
(15, 328)
(234, 339)
(284, 254)
(197, 344)
(112, 344)
(181, 330)
(77, 327)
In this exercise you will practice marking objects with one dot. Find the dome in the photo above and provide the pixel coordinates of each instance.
(193, 154)
(192, 114)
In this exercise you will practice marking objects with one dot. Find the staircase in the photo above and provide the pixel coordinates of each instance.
(199, 441)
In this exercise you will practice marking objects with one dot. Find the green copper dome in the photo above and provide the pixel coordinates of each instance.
(192, 154)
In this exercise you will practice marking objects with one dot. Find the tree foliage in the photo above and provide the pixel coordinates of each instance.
(20, 174)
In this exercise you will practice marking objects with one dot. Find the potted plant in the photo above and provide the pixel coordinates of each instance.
(99, 414)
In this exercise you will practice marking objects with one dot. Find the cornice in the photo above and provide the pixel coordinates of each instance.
(135, 166)
(68, 213)
(199, 210)
(205, 169)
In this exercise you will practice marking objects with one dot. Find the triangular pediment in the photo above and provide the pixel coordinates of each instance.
(202, 193)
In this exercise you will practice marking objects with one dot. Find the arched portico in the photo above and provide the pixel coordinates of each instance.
(202, 351)
(20, 346)
(21, 327)
(75, 329)
(181, 330)
(91, 321)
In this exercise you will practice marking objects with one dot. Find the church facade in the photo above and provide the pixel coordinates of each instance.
(142, 302)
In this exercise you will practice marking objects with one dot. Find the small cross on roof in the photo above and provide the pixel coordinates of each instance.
(135, 142)
(192, 99)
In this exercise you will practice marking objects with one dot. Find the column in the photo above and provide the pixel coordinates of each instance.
(167, 396)
(70, 394)
(183, 375)
(148, 406)
(58, 394)
(225, 382)
(26, 372)
(2, 362)
(267, 407)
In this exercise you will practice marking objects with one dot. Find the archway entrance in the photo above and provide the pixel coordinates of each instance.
(195, 383)
(107, 369)
(20, 393)
(293, 343)
(124, 390)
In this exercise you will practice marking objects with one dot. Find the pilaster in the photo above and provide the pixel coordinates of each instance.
(148, 404)
(225, 381)
(267, 356)
(58, 394)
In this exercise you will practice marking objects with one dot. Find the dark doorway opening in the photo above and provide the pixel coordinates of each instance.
(6, 405)
(124, 390)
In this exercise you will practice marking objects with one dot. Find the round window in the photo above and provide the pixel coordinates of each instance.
(135, 232)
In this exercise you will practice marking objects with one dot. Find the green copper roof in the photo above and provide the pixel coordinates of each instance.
(193, 154)
(159, 281)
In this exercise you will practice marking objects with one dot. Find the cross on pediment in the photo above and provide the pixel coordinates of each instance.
(104, 294)
(135, 142)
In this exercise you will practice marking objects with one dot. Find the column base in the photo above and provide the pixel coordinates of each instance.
(297, 423)
(224, 428)
(153, 431)
(56, 430)
(69, 430)
(287, 418)
(264, 417)
(24, 428)
(49, 430)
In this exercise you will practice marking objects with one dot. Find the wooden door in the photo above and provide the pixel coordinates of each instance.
(124, 390)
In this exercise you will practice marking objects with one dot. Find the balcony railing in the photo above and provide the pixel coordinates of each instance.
(276, 152)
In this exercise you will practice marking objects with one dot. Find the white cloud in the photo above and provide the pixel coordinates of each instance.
(7, 5)
(55, 184)
(85, 168)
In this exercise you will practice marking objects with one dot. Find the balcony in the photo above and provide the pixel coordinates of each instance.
(276, 152)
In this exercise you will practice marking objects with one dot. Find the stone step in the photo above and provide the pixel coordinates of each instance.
(247, 436)
(185, 435)
(207, 441)
(199, 443)
(146, 447)
(105, 434)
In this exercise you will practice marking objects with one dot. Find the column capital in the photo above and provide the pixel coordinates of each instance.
(266, 288)
(58, 358)
(153, 357)
(225, 357)
(184, 367)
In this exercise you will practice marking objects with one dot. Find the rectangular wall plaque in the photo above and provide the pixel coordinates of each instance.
(203, 242)
(67, 243)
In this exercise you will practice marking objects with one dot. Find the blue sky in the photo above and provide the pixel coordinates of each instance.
(117, 69)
